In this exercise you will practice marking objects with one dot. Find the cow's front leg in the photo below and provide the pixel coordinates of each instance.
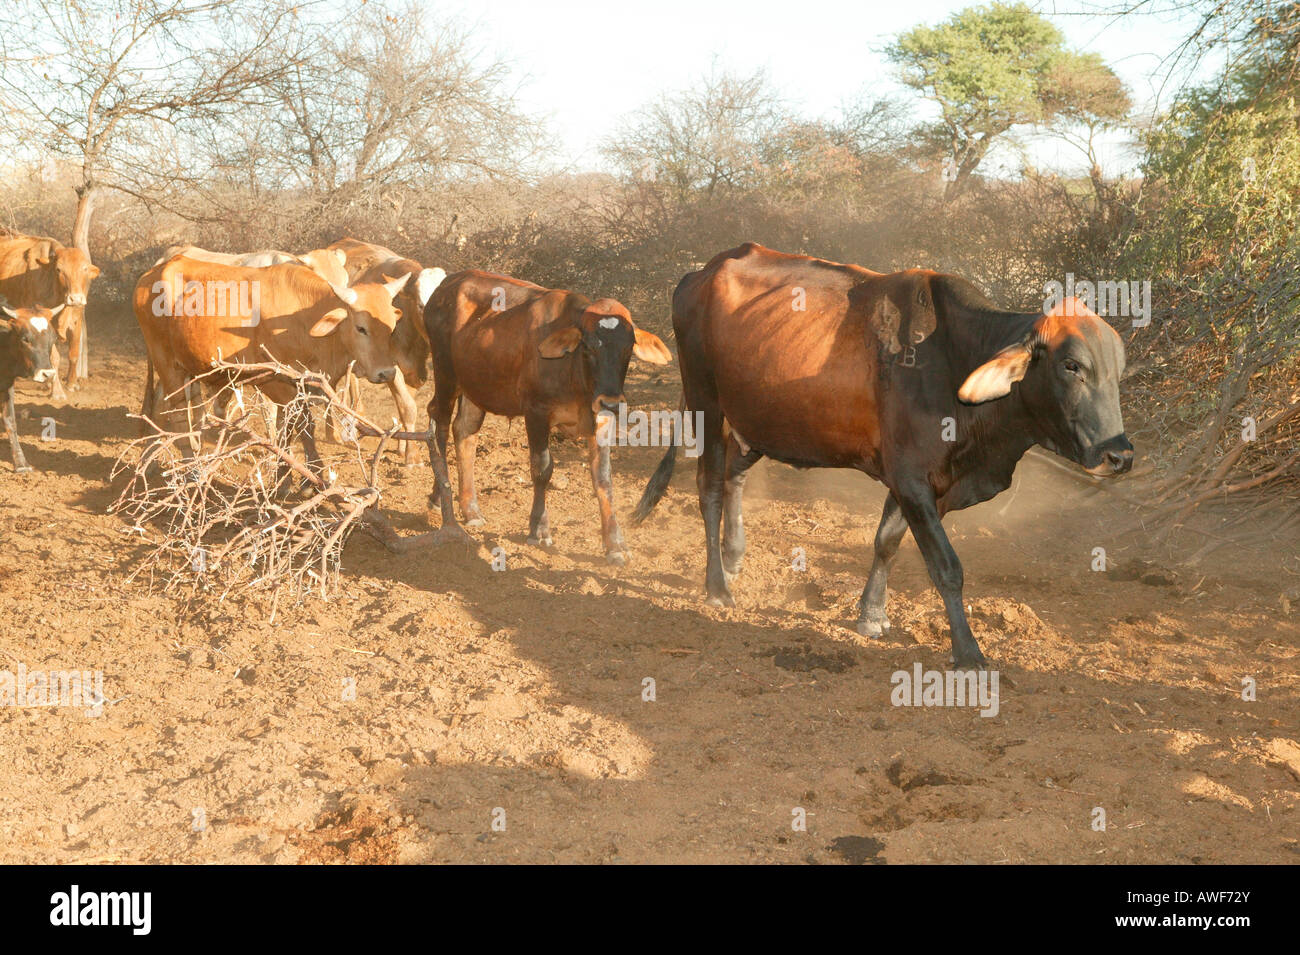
(76, 367)
(11, 425)
(56, 383)
(918, 505)
(603, 483)
(872, 621)
(408, 415)
(540, 467)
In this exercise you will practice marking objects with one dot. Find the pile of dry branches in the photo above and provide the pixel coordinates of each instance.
(241, 511)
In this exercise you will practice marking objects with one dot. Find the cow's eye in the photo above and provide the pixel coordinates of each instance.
(1073, 367)
(362, 330)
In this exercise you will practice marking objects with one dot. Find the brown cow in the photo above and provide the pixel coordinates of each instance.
(367, 262)
(193, 312)
(326, 263)
(39, 271)
(798, 359)
(26, 340)
(553, 357)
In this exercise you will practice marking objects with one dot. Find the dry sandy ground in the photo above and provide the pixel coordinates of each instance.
(521, 691)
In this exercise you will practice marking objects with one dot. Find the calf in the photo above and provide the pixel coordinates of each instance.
(26, 338)
(39, 271)
(914, 377)
(554, 358)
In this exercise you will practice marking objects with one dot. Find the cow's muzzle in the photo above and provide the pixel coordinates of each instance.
(75, 299)
(608, 403)
(43, 374)
(383, 376)
(1113, 456)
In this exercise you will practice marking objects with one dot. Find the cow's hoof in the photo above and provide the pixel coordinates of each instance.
(475, 521)
(25, 469)
(873, 624)
(617, 557)
(968, 660)
(719, 600)
(546, 541)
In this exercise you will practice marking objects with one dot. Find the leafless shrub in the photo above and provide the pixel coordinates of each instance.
(225, 518)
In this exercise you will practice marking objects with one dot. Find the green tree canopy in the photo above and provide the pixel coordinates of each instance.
(996, 67)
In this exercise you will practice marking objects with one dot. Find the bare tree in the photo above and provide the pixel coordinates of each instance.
(382, 99)
(113, 84)
(703, 139)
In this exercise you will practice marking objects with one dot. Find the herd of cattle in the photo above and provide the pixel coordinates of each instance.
(907, 376)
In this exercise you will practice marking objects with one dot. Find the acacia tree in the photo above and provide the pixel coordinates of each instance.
(991, 69)
(113, 85)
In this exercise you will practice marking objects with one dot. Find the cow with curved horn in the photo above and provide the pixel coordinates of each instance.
(913, 377)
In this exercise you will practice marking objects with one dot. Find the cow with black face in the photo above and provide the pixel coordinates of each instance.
(26, 337)
(554, 358)
(913, 377)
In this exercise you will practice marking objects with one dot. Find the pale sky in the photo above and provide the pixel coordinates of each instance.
(586, 63)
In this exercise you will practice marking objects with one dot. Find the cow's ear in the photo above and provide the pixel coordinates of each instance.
(922, 319)
(560, 343)
(650, 347)
(94, 272)
(328, 322)
(40, 254)
(994, 378)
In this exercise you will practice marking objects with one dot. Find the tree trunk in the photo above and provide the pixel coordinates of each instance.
(81, 224)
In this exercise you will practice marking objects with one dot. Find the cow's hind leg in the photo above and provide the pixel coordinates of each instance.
(872, 621)
(922, 513)
(11, 425)
(738, 463)
(540, 466)
(710, 478)
(469, 419)
(440, 408)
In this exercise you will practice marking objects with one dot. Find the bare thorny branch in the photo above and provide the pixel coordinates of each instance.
(222, 516)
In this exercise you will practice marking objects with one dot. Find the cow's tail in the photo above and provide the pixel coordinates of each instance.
(147, 405)
(658, 483)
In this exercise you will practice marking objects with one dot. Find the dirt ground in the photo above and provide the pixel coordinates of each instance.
(518, 695)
